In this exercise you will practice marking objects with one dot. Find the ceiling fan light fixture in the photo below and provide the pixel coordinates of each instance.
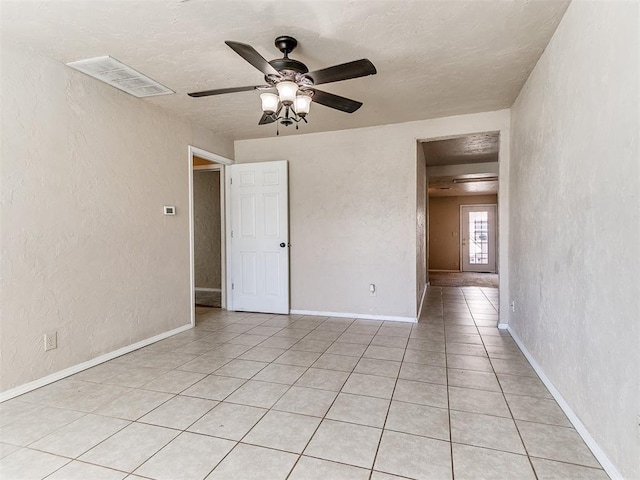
(269, 102)
(302, 104)
(475, 179)
(287, 91)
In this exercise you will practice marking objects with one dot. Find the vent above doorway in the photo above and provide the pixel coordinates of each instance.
(120, 76)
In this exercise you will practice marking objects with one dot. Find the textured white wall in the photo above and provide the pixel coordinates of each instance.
(86, 250)
(353, 210)
(575, 232)
(207, 263)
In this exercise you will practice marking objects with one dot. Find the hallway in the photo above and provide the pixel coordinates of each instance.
(463, 279)
(253, 396)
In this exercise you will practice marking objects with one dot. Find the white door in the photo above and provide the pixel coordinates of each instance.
(259, 209)
(478, 238)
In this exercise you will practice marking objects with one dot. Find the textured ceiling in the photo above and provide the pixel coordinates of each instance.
(434, 58)
(463, 150)
(449, 187)
(477, 148)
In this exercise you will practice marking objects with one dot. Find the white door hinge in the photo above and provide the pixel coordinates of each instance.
(232, 286)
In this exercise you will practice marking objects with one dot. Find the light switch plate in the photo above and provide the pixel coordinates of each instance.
(50, 341)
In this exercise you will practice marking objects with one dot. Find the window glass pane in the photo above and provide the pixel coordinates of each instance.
(479, 238)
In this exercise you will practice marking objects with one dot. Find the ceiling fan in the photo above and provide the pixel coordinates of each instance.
(294, 83)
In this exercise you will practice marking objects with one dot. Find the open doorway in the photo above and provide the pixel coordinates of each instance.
(208, 241)
(462, 242)
(207, 233)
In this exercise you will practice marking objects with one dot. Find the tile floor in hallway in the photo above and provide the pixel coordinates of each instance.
(254, 396)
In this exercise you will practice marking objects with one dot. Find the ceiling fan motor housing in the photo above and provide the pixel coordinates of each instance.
(289, 64)
(286, 45)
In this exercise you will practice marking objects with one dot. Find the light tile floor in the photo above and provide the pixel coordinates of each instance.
(254, 396)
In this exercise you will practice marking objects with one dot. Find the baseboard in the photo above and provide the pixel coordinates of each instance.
(54, 377)
(445, 271)
(202, 289)
(608, 466)
(355, 315)
(424, 294)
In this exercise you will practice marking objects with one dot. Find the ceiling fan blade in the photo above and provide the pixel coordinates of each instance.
(335, 101)
(221, 91)
(345, 71)
(253, 57)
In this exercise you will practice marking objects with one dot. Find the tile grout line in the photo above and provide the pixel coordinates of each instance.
(137, 419)
(405, 349)
(222, 326)
(324, 417)
(76, 458)
(446, 363)
(509, 406)
(142, 423)
(382, 429)
(266, 410)
(270, 408)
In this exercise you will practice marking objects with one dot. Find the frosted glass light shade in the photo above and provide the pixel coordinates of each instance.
(269, 102)
(287, 91)
(302, 105)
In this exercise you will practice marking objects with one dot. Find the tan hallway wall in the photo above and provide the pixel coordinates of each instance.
(206, 213)
(444, 229)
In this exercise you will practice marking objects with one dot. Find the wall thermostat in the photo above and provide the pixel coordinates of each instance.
(169, 210)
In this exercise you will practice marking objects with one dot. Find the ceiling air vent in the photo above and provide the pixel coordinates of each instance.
(118, 75)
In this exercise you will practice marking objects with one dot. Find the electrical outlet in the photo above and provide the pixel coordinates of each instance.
(513, 306)
(50, 341)
(372, 289)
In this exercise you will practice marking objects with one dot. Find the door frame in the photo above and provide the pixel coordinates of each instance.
(219, 164)
(495, 234)
(459, 127)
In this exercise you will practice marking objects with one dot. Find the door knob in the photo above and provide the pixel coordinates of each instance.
(283, 245)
